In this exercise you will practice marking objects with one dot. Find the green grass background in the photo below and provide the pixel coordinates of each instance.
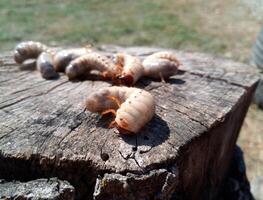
(143, 22)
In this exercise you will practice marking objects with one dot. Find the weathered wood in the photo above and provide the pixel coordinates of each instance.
(46, 132)
(236, 185)
(49, 189)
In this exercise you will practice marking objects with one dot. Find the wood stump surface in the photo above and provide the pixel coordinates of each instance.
(183, 152)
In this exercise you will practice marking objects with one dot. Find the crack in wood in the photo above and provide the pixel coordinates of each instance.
(218, 79)
(31, 96)
(73, 127)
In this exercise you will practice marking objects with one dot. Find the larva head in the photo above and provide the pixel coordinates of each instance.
(123, 126)
(46, 66)
(18, 57)
(71, 71)
(125, 79)
(48, 72)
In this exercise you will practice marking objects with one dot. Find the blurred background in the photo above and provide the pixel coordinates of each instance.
(227, 28)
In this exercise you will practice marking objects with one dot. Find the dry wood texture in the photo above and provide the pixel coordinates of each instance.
(183, 152)
(48, 189)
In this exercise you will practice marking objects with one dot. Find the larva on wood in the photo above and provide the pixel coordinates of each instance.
(89, 62)
(45, 65)
(64, 57)
(160, 65)
(28, 50)
(29, 64)
(131, 66)
(132, 107)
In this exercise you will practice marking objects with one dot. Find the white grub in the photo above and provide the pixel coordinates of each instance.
(64, 57)
(131, 68)
(45, 65)
(160, 65)
(28, 50)
(132, 107)
(89, 62)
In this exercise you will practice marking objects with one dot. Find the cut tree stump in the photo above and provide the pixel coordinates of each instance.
(183, 153)
(48, 189)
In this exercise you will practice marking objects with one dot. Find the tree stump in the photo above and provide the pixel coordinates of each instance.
(183, 152)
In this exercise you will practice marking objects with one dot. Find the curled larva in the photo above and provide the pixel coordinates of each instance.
(64, 57)
(160, 65)
(29, 64)
(131, 68)
(45, 65)
(132, 107)
(28, 50)
(92, 61)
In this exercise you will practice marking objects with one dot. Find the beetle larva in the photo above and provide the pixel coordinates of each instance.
(28, 50)
(29, 64)
(131, 66)
(89, 62)
(45, 65)
(160, 65)
(64, 57)
(132, 107)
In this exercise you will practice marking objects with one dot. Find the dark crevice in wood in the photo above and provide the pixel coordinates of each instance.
(74, 127)
(218, 79)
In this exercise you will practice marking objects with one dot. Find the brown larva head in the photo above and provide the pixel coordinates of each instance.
(125, 80)
(71, 71)
(123, 126)
(18, 58)
(48, 72)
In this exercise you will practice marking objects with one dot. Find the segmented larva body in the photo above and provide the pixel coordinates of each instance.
(28, 65)
(160, 65)
(45, 65)
(64, 57)
(92, 61)
(133, 107)
(131, 66)
(28, 50)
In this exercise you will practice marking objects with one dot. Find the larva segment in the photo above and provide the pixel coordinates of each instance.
(136, 109)
(102, 100)
(45, 65)
(161, 64)
(28, 50)
(131, 66)
(64, 57)
(28, 64)
(92, 61)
